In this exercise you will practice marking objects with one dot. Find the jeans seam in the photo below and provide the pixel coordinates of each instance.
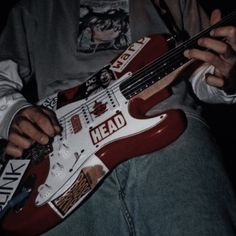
(126, 214)
(196, 117)
(125, 210)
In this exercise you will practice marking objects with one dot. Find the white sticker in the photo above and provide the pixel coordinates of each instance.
(10, 179)
(124, 59)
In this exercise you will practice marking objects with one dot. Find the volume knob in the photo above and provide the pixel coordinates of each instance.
(58, 170)
(44, 191)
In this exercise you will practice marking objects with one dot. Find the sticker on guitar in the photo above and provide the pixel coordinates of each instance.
(104, 123)
(89, 176)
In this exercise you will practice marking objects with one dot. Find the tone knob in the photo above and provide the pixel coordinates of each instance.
(64, 151)
(58, 170)
(44, 191)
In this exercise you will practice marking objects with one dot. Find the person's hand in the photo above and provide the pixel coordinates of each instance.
(30, 125)
(221, 53)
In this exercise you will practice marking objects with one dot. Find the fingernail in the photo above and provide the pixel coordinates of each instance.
(200, 41)
(212, 32)
(44, 140)
(58, 129)
(186, 53)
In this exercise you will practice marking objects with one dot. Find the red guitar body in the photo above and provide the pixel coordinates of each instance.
(34, 220)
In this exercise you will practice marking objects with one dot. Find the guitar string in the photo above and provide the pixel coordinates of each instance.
(162, 61)
(145, 76)
(172, 54)
(102, 95)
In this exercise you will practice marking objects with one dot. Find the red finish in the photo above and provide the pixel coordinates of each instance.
(34, 220)
(155, 48)
(153, 139)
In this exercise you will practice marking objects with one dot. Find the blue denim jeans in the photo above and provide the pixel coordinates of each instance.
(179, 190)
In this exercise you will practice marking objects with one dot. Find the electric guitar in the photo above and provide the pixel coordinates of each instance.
(104, 123)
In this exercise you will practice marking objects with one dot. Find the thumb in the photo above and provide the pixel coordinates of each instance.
(215, 16)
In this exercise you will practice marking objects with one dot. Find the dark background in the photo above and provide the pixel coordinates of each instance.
(220, 117)
(225, 5)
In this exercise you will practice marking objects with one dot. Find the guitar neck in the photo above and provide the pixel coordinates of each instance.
(166, 64)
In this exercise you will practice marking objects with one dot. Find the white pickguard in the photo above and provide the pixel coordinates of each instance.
(71, 149)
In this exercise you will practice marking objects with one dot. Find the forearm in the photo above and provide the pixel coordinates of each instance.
(11, 100)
